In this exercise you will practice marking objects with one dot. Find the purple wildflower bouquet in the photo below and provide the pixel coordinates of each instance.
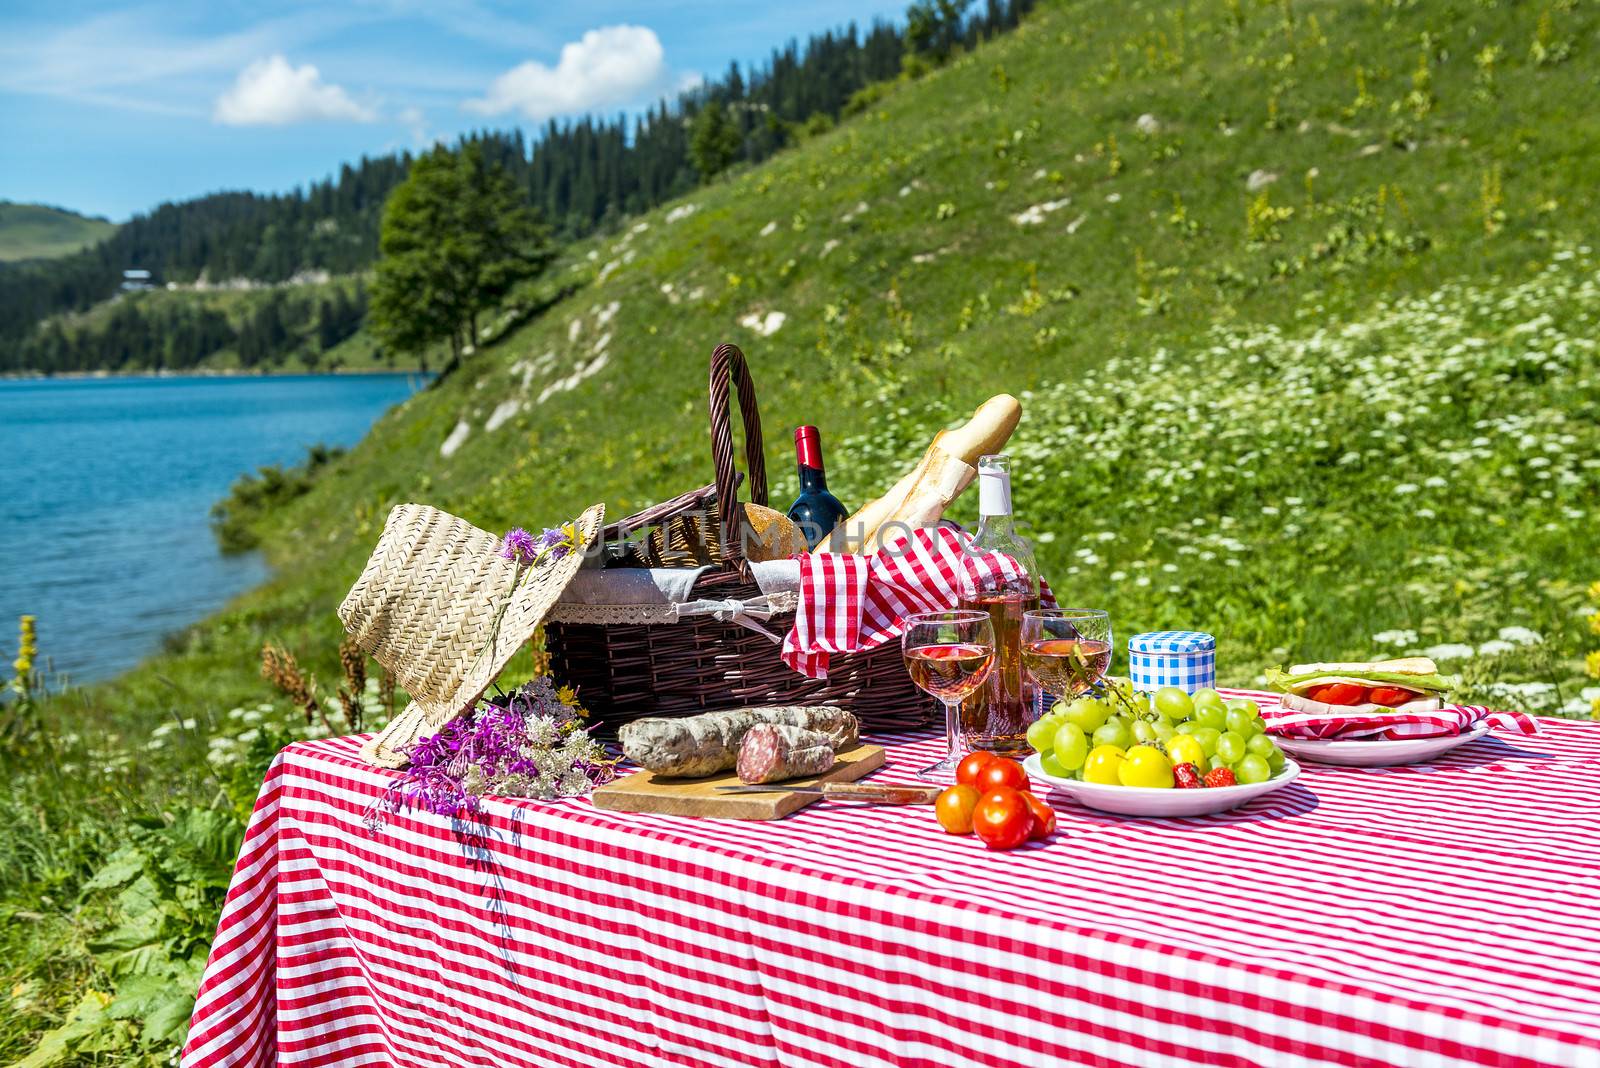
(531, 742)
(527, 550)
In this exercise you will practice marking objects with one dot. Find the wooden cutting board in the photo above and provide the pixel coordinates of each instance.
(643, 792)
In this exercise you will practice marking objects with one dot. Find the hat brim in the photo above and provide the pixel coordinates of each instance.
(445, 653)
(391, 747)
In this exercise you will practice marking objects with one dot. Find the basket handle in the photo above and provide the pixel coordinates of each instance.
(727, 361)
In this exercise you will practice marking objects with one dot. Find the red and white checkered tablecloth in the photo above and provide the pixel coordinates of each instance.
(1441, 914)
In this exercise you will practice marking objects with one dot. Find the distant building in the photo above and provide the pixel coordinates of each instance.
(135, 279)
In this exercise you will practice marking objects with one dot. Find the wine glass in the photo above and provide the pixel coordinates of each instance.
(1066, 650)
(949, 655)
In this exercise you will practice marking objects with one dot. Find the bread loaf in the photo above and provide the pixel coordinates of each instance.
(919, 498)
(987, 431)
(770, 535)
(942, 478)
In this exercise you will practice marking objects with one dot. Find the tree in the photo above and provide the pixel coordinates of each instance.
(933, 28)
(582, 174)
(328, 325)
(457, 234)
(714, 140)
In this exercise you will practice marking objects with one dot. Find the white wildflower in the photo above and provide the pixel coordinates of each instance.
(766, 325)
(1259, 179)
(1035, 215)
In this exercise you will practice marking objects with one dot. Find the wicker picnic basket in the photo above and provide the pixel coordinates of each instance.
(630, 662)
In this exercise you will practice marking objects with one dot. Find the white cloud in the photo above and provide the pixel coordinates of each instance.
(417, 123)
(606, 67)
(270, 92)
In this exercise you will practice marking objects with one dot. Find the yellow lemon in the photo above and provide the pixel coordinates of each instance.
(1102, 765)
(1145, 766)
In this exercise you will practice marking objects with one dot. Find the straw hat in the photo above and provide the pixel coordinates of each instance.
(440, 607)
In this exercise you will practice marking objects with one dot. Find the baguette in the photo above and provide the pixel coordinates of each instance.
(919, 498)
(942, 480)
(987, 431)
(851, 535)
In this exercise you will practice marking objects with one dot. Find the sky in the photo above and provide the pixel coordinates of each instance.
(110, 109)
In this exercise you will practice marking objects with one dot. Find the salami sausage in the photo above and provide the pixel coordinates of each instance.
(774, 751)
(709, 742)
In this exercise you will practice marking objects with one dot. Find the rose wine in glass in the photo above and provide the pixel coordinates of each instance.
(949, 655)
(1066, 650)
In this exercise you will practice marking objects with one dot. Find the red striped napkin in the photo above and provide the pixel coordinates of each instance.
(1452, 719)
(853, 603)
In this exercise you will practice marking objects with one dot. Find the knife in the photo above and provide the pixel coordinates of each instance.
(873, 793)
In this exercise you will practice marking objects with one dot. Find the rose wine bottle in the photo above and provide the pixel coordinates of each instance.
(816, 511)
(997, 716)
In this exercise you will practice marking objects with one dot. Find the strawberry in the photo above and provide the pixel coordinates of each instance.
(1221, 777)
(1187, 776)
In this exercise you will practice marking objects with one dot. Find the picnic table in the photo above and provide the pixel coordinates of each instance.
(1438, 914)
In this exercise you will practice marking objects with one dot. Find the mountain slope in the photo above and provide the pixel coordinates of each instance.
(38, 231)
(1083, 189)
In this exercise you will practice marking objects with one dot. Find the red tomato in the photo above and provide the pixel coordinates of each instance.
(971, 765)
(954, 808)
(1338, 693)
(1001, 772)
(1391, 696)
(1002, 818)
(1044, 818)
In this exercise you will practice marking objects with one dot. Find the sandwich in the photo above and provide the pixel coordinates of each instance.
(1411, 684)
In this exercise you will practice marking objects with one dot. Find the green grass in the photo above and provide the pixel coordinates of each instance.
(1239, 406)
(36, 231)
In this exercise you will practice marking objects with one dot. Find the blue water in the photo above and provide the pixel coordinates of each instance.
(106, 487)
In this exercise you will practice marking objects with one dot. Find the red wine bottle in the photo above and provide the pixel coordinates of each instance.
(816, 511)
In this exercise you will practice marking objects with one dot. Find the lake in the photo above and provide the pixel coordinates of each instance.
(106, 487)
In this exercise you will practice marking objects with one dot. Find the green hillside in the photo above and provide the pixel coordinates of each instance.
(1076, 194)
(1296, 296)
(36, 231)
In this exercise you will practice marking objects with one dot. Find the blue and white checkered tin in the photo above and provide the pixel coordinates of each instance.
(1186, 659)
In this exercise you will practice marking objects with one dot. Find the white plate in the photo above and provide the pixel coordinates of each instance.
(1377, 752)
(1149, 801)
